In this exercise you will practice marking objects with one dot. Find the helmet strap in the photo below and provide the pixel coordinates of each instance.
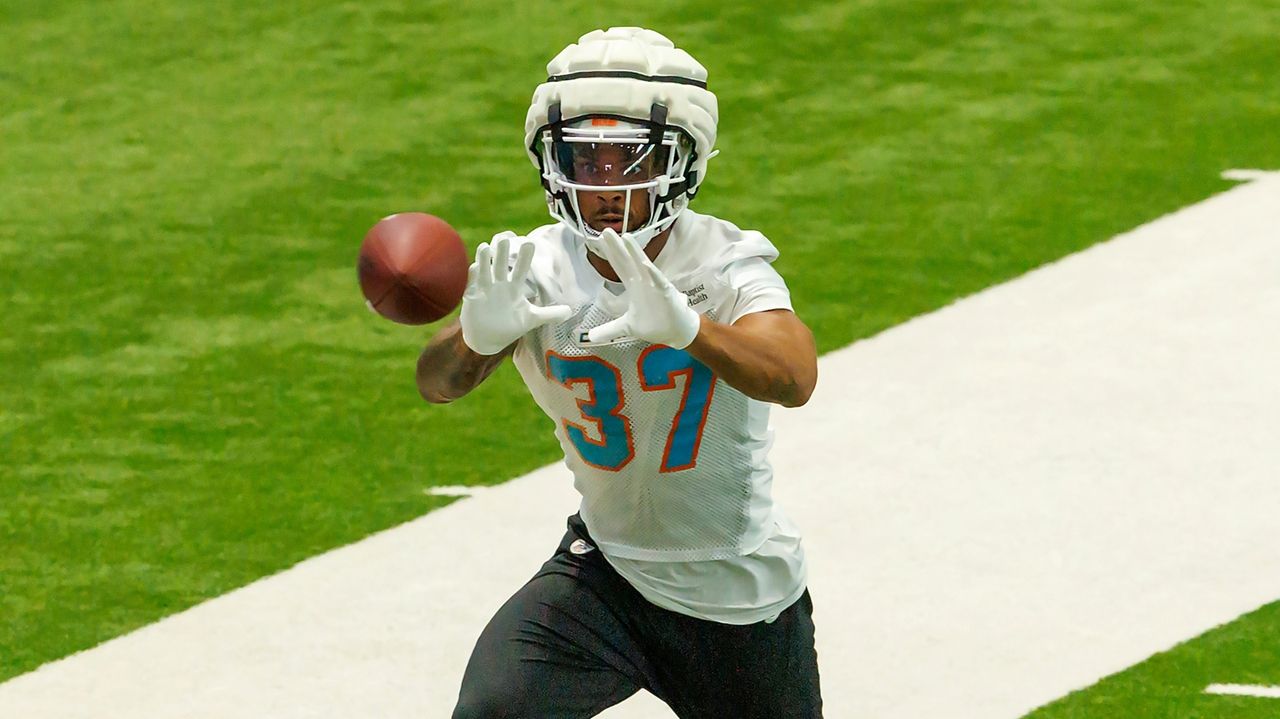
(553, 118)
(657, 123)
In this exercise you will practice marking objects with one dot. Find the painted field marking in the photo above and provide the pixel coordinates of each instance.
(454, 490)
(1002, 501)
(1244, 690)
(1246, 174)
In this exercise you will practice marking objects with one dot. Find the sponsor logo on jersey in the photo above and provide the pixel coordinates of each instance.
(696, 295)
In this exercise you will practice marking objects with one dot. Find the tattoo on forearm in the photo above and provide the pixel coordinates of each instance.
(448, 369)
(464, 372)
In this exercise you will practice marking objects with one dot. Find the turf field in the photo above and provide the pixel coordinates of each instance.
(194, 395)
(1171, 685)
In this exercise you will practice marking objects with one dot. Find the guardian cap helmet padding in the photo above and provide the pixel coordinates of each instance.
(666, 121)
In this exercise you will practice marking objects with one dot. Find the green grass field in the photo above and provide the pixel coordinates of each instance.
(1171, 685)
(193, 394)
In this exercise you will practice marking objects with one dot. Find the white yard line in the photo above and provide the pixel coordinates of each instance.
(1244, 690)
(454, 490)
(1246, 175)
(1003, 501)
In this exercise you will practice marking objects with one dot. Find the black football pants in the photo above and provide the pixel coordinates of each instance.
(577, 639)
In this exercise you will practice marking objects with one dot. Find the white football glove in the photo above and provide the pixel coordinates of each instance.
(495, 310)
(657, 312)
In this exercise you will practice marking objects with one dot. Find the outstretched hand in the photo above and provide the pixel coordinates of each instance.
(657, 312)
(495, 310)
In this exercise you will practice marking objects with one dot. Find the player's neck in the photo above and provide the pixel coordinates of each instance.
(651, 251)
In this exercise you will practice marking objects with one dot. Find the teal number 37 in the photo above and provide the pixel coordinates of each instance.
(611, 446)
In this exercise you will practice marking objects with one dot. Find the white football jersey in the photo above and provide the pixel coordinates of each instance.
(670, 461)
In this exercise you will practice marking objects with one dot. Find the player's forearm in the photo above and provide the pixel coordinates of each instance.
(449, 369)
(771, 359)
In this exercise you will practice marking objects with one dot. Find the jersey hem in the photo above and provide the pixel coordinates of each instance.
(626, 551)
(730, 616)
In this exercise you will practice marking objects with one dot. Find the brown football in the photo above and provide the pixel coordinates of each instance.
(413, 268)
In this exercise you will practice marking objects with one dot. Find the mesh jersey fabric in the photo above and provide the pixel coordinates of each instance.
(755, 587)
(617, 423)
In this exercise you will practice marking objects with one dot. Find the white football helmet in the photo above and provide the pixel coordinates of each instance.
(623, 112)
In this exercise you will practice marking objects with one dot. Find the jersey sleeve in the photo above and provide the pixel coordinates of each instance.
(758, 288)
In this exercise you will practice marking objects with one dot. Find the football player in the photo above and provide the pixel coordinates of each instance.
(655, 338)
